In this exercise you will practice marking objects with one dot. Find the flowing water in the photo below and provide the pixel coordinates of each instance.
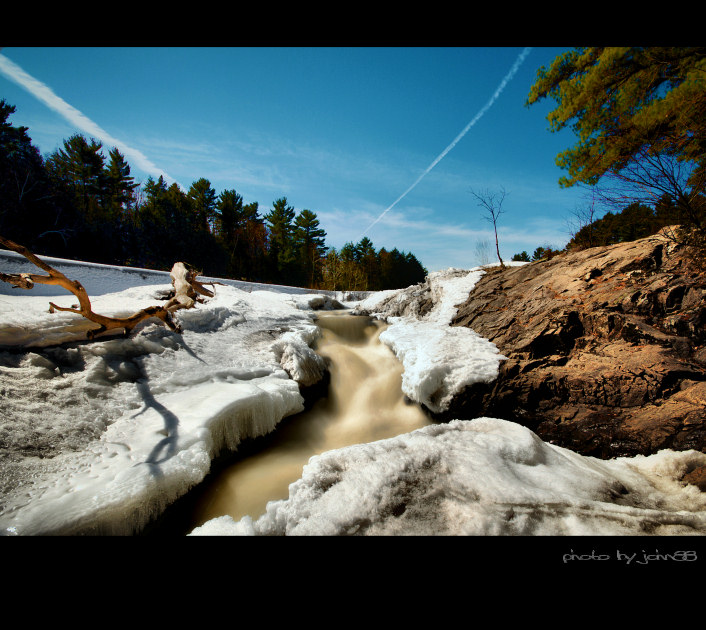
(364, 403)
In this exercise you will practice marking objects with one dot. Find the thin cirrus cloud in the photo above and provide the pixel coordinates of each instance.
(47, 96)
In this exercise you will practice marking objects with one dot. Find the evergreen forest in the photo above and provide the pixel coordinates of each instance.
(83, 204)
(635, 221)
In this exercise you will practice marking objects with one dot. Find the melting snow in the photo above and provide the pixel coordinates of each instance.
(100, 437)
(480, 477)
(439, 360)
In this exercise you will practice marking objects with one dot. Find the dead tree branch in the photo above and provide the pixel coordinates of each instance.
(186, 291)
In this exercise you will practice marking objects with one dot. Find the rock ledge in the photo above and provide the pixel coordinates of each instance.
(605, 349)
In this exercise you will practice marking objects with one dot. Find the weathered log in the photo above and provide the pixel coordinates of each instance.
(186, 288)
(186, 291)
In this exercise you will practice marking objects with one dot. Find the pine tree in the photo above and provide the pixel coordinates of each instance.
(78, 171)
(667, 212)
(203, 199)
(255, 240)
(79, 167)
(640, 118)
(230, 228)
(539, 253)
(636, 221)
(369, 263)
(119, 184)
(151, 230)
(28, 213)
(414, 271)
(281, 241)
(182, 236)
(118, 202)
(229, 213)
(310, 242)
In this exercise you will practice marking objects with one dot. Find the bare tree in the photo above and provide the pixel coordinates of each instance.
(649, 176)
(583, 217)
(493, 204)
(482, 252)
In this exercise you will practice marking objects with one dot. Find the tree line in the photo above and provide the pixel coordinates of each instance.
(80, 204)
(633, 222)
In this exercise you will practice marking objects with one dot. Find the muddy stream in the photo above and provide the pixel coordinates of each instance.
(364, 403)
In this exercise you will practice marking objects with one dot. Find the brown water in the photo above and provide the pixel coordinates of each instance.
(364, 403)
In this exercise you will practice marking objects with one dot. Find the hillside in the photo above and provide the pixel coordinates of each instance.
(605, 349)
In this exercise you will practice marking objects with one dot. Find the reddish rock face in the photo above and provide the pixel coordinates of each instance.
(606, 349)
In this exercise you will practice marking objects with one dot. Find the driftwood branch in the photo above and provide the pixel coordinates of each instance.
(186, 294)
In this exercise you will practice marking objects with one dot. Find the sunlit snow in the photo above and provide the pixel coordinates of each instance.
(100, 437)
(480, 477)
(439, 361)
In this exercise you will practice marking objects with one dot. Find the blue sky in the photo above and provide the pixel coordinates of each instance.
(349, 133)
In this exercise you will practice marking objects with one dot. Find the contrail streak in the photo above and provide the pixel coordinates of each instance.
(508, 77)
(45, 94)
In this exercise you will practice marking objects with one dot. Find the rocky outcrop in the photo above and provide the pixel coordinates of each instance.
(605, 349)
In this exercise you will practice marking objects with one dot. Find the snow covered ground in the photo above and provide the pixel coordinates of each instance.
(100, 437)
(439, 360)
(480, 477)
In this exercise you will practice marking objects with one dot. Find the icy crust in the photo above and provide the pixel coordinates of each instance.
(100, 437)
(294, 353)
(146, 460)
(439, 360)
(485, 477)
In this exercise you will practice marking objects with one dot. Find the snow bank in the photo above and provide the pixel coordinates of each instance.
(146, 460)
(294, 353)
(480, 477)
(98, 278)
(100, 437)
(439, 360)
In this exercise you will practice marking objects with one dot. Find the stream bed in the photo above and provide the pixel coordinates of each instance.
(363, 403)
